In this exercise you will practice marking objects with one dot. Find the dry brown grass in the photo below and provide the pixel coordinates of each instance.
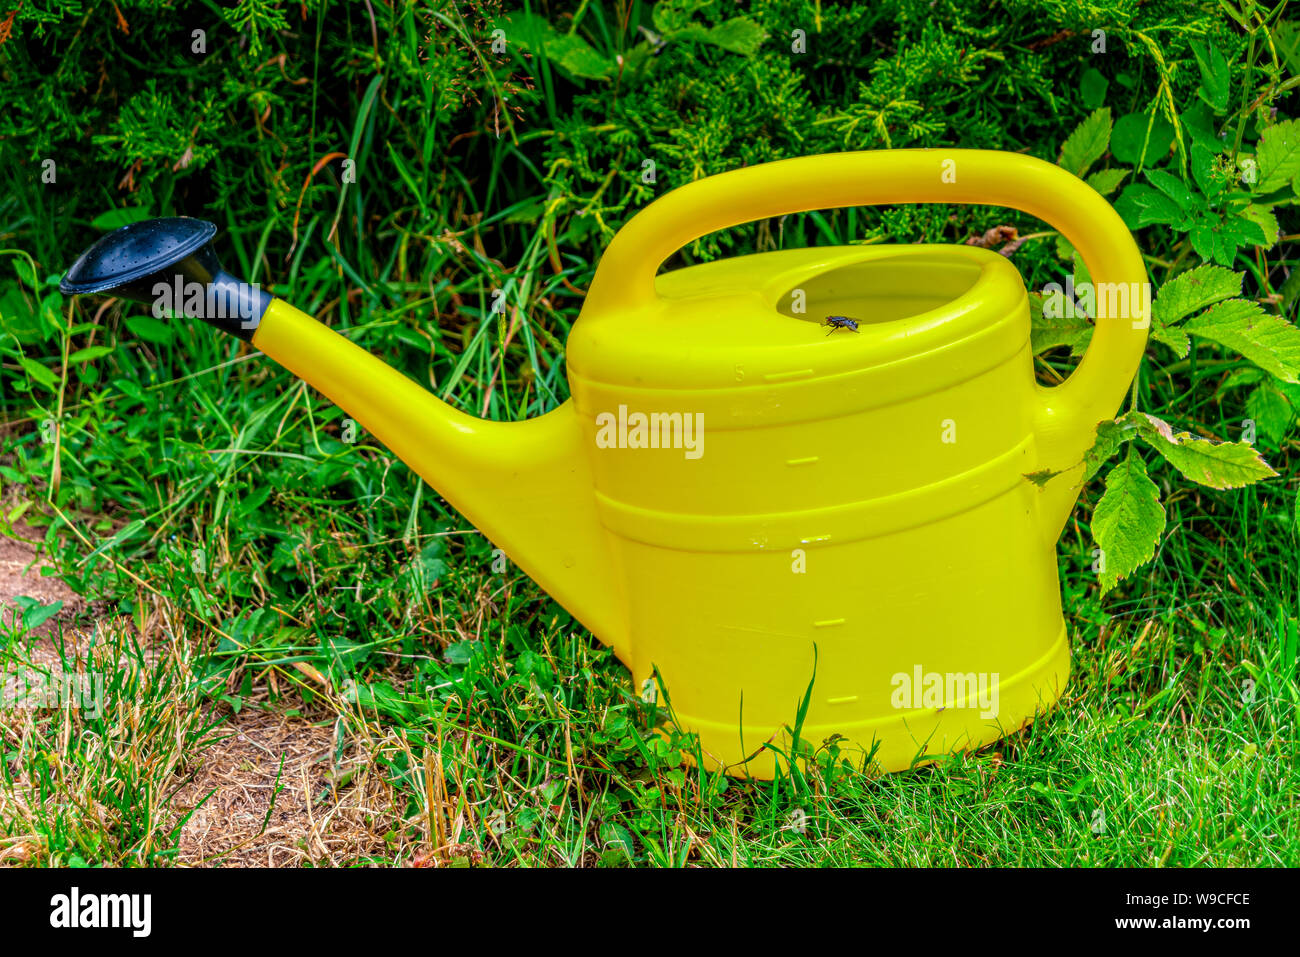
(271, 801)
(265, 789)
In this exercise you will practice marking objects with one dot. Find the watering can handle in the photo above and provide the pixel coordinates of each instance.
(1068, 413)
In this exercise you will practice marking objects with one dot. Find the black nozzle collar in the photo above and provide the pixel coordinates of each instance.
(169, 264)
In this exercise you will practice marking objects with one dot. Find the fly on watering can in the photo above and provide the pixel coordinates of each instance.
(851, 511)
(841, 322)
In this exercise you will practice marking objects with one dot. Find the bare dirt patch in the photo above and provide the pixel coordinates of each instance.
(20, 574)
(263, 795)
(263, 813)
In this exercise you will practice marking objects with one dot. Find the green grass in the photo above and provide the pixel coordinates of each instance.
(268, 563)
(92, 784)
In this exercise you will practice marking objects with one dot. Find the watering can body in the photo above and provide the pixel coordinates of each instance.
(853, 510)
(787, 530)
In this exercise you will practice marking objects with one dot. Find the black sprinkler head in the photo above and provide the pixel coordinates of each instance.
(170, 264)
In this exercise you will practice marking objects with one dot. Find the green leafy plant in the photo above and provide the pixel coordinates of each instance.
(1129, 520)
(1221, 208)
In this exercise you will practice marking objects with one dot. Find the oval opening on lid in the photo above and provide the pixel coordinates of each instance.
(881, 290)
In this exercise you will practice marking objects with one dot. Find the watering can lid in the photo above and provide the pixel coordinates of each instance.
(134, 251)
(722, 325)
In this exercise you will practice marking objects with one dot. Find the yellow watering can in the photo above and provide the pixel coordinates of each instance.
(802, 461)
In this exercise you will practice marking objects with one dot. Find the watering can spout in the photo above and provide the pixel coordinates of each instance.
(526, 485)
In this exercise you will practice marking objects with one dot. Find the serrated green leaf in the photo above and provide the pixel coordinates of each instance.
(1051, 325)
(1193, 290)
(575, 56)
(1142, 206)
(1218, 239)
(1218, 465)
(1128, 521)
(1175, 189)
(1171, 336)
(1087, 143)
(1206, 243)
(1160, 209)
(1278, 156)
(1269, 341)
(1106, 181)
(1271, 412)
(569, 51)
(1263, 217)
(1110, 436)
(739, 35)
(1208, 181)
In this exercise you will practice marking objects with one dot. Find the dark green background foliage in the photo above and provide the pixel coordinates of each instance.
(132, 116)
(167, 463)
